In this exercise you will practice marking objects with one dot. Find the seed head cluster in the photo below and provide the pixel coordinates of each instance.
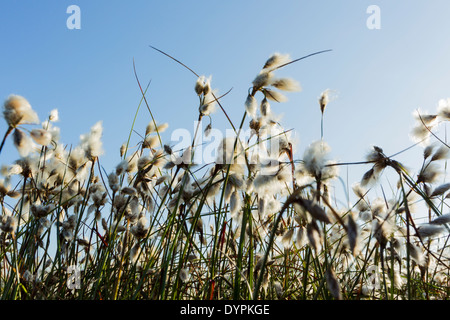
(257, 222)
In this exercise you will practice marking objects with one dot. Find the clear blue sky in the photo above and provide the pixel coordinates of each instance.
(381, 76)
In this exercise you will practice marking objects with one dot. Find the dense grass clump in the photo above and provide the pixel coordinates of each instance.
(253, 224)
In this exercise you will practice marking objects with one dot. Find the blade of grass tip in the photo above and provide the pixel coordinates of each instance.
(406, 149)
(185, 66)
(431, 132)
(178, 61)
(216, 99)
(134, 121)
(100, 169)
(304, 57)
(146, 103)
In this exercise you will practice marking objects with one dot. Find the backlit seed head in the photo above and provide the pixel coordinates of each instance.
(123, 148)
(352, 234)
(54, 115)
(162, 127)
(324, 100)
(358, 190)
(150, 142)
(286, 84)
(428, 150)
(430, 173)
(200, 85)
(443, 219)
(440, 190)
(420, 133)
(287, 237)
(316, 162)
(151, 127)
(314, 236)
(168, 149)
(41, 136)
(443, 109)
(263, 79)
(251, 106)
(441, 153)
(140, 230)
(429, 230)
(9, 225)
(17, 110)
(265, 108)
(301, 239)
(184, 274)
(135, 252)
(22, 142)
(113, 181)
(416, 254)
(274, 95)
(333, 284)
(235, 203)
(91, 142)
(276, 60)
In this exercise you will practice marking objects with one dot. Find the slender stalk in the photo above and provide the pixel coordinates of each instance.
(8, 131)
(321, 126)
(408, 241)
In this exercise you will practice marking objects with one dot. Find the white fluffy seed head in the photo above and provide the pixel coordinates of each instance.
(265, 108)
(420, 133)
(17, 110)
(23, 143)
(200, 85)
(274, 95)
(275, 60)
(441, 153)
(41, 136)
(262, 79)
(150, 142)
(430, 173)
(286, 240)
(316, 162)
(235, 203)
(443, 109)
(430, 230)
(286, 84)
(91, 142)
(251, 106)
(54, 115)
(325, 98)
(184, 274)
(443, 219)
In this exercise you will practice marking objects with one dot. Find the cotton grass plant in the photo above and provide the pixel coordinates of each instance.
(253, 224)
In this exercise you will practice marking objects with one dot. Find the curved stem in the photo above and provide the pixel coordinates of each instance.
(10, 129)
